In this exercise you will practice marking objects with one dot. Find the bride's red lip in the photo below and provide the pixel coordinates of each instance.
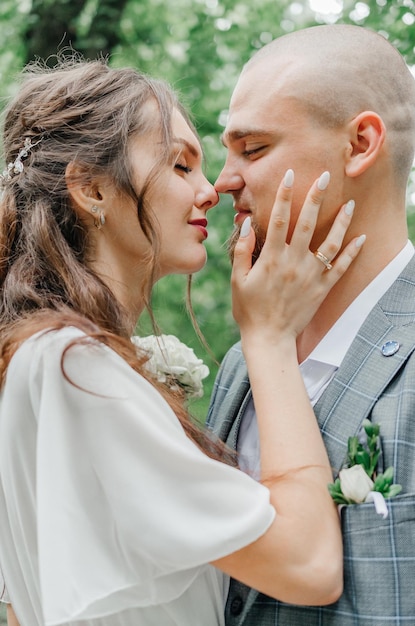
(201, 225)
(201, 222)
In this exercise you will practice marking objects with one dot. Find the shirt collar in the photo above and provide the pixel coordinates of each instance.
(334, 345)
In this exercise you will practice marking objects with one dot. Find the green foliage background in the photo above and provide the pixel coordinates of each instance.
(199, 46)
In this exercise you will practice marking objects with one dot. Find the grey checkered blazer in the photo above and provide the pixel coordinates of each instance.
(379, 555)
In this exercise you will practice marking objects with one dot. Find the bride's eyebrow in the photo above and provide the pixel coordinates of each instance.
(188, 145)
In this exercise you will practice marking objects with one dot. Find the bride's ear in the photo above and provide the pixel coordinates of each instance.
(367, 134)
(84, 191)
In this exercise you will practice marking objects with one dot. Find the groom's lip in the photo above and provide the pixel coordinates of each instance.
(241, 214)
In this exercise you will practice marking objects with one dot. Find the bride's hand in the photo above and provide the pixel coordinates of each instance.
(282, 291)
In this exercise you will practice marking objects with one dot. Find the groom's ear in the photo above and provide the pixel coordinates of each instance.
(367, 134)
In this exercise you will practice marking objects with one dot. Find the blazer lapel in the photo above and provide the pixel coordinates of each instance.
(365, 370)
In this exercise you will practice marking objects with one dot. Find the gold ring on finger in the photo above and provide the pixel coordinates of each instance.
(322, 257)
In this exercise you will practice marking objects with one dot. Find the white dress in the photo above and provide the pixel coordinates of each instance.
(109, 514)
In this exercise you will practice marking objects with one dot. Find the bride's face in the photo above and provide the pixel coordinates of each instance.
(179, 199)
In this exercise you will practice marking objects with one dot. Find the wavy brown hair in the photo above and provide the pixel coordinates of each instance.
(83, 113)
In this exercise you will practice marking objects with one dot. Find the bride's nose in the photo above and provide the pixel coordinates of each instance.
(207, 196)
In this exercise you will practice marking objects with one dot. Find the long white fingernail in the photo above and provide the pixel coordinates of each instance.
(360, 241)
(323, 181)
(349, 207)
(289, 179)
(246, 227)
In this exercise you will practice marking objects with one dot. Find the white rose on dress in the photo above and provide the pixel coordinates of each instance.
(355, 483)
(174, 363)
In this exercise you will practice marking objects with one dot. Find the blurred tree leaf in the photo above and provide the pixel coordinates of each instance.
(50, 25)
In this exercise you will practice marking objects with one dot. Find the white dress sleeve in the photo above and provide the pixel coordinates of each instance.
(128, 507)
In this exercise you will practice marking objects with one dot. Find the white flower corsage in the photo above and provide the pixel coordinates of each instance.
(359, 482)
(173, 363)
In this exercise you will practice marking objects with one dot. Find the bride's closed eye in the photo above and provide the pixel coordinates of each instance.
(183, 168)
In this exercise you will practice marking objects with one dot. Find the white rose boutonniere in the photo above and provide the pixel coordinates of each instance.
(359, 482)
(174, 363)
(355, 483)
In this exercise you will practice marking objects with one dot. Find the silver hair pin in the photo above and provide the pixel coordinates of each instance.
(17, 166)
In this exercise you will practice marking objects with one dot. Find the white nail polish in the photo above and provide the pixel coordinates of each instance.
(246, 227)
(289, 179)
(323, 181)
(360, 241)
(349, 207)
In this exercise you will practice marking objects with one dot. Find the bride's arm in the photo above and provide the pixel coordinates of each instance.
(11, 616)
(299, 559)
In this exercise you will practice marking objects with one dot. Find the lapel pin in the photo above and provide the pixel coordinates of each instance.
(390, 347)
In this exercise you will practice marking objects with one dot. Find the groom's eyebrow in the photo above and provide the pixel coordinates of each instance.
(237, 134)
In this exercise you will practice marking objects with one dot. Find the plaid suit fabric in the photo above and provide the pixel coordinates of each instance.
(379, 555)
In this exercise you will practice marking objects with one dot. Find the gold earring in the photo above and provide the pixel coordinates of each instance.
(99, 217)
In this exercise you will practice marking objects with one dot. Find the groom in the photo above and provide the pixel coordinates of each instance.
(336, 98)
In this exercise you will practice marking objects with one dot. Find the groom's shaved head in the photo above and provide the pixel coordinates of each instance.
(338, 71)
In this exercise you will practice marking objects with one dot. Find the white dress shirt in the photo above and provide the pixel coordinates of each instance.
(320, 366)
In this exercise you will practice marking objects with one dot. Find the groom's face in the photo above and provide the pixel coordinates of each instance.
(269, 130)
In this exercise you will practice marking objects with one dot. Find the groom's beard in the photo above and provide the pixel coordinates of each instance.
(259, 242)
